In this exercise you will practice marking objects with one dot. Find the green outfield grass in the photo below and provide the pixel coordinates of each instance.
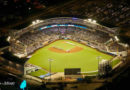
(115, 62)
(85, 59)
(38, 73)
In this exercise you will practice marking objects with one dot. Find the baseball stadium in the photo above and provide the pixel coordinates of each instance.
(67, 46)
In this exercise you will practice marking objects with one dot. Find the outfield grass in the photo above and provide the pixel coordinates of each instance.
(85, 59)
(115, 62)
(38, 73)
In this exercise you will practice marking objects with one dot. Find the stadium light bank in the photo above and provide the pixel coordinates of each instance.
(50, 60)
(8, 38)
(90, 20)
(36, 22)
(117, 39)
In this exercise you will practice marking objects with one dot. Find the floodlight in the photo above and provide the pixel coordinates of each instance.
(37, 21)
(41, 21)
(17, 41)
(117, 39)
(126, 45)
(94, 21)
(8, 39)
(85, 20)
(33, 22)
(90, 20)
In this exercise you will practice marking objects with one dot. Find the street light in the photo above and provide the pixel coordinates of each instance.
(98, 61)
(50, 60)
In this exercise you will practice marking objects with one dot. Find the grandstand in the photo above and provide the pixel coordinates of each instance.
(92, 35)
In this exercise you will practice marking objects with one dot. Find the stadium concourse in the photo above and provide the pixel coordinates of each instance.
(85, 31)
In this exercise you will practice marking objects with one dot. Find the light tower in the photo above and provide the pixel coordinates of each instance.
(50, 60)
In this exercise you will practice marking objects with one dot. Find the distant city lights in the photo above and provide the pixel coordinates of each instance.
(29, 8)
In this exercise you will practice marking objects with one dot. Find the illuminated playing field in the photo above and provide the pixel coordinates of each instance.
(67, 54)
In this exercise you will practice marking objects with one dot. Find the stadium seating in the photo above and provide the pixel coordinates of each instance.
(32, 38)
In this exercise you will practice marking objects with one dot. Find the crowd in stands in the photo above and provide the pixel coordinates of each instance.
(116, 47)
(35, 39)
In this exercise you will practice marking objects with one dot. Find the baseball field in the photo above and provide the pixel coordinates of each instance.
(67, 54)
